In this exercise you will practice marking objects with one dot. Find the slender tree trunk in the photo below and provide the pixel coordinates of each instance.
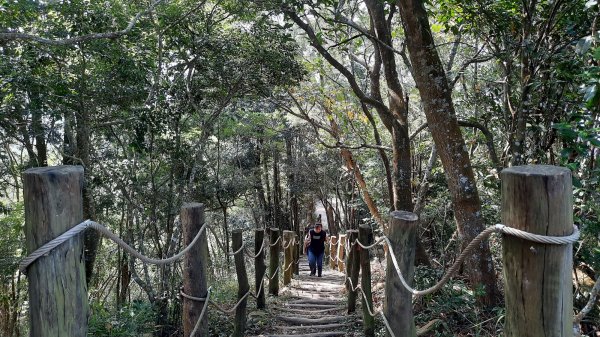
(82, 117)
(439, 110)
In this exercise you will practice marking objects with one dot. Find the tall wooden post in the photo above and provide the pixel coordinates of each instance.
(243, 286)
(195, 264)
(364, 236)
(341, 253)
(288, 257)
(274, 262)
(397, 305)
(296, 254)
(352, 269)
(58, 299)
(259, 268)
(327, 255)
(333, 252)
(537, 277)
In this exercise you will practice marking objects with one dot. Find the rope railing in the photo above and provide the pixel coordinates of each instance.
(498, 228)
(369, 309)
(45, 249)
(254, 256)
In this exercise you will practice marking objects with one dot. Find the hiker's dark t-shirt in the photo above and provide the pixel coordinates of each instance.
(317, 241)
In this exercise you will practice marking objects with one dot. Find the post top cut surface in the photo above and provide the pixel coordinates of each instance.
(404, 215)
(536, 170)
(62, 169)
(192, 205)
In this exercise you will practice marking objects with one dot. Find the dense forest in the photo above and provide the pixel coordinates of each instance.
(263, 109)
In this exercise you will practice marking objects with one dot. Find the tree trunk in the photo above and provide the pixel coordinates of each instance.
(439, 110)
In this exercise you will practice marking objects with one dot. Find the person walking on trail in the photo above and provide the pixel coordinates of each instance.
(315, 243)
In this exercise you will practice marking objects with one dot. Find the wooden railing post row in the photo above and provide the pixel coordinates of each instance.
(352, 268)
(243, 286)
(274, 262)
(364, 236)
(397, 305)
(341, 253)
(195, 263)
(333, 252)
(537, 277)
(58, 299)
(259, 268)
(288, 257)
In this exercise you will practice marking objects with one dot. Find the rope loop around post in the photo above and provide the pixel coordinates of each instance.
(498, 228)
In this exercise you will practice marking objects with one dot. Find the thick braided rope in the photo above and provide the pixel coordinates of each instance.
(275, 243)
(206, 300)
(274, 274)
(229, 311)
(498, 228)
(289, 266)
(286, 246)
(237, 251)
(369, 309)
(254, 256)
(260, 288)
(45, 249)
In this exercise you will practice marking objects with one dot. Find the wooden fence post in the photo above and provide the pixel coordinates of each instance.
(352, 269)
(194, 268)
(58, 299)
(364, 236)
(259, 268)
(341, 252)
(397, 305)
(333, 252)
(537, 277)
(274, 262)
(288, 257)
(326, 256)
(243, 286)
(296, 254)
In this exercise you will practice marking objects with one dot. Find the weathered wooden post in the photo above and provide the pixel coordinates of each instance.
(259, 268)
(333, 252)
(195, 264)
(243, 286)
(274, 262)
(58, 299)
(364, 236)
(397, 305)
(352, 269)
(326, 256)
(537, 277)
(341, 252)
(296, 254)
(288, 257)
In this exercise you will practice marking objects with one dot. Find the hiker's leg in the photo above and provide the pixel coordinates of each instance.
(320, 263)
(312, 261)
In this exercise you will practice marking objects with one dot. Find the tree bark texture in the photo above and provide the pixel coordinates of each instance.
(439, 111)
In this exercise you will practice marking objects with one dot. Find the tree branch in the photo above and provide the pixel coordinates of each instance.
(18, 36)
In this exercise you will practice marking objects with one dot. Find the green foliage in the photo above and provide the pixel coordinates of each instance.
(134, 319)
(12, 241)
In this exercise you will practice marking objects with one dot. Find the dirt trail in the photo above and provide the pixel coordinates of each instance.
(313, 307)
